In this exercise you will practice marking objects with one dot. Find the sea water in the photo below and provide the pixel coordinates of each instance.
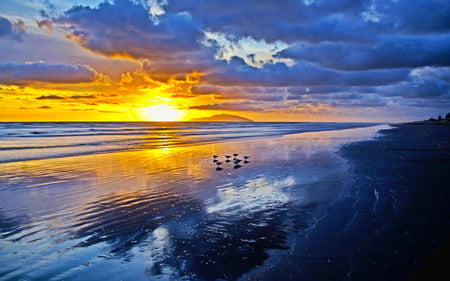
(27, 141)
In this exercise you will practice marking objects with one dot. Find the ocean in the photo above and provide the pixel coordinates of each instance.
(147, 201)
(31, 141)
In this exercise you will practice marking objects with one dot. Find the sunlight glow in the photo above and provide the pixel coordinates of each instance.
(162, 112)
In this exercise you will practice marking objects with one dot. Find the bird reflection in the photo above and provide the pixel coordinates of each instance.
(235, 160)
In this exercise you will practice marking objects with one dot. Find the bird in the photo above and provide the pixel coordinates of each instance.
(235, 154)
(215, 156)
(246, 157)
(227, 156)
(218, 166)
(237, 166)
(236, 161)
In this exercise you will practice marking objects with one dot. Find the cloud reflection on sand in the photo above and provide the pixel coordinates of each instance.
(256, 195)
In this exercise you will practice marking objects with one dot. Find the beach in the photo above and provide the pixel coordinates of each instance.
(345, 202)
(393, 224)
(408, 172)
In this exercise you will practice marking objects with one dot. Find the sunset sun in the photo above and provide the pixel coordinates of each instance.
(162, 112)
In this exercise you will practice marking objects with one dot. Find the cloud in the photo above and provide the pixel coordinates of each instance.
(402, 16)
(353, 100)
(304, 74)
(431, 73)
(231, 106)
(109, 111)
(15, 31)
(425, 89)
(180, 65)
(174, 44)
(426, 83)
(315, 21)
(273, 21)
(166, 44)
(50, 97)
(83, 97)
(124, 28)
(82, 109)
(156, 9)
(295, 92)
(236, 92)
(45, 23)
(26, 73)
(260, 55)
(256, 53)
(392, 52)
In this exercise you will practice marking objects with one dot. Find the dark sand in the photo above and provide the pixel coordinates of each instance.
(393, 225)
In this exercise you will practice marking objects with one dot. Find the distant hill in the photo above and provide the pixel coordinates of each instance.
(222, 118)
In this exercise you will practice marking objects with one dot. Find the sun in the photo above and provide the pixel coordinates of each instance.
(161, 112)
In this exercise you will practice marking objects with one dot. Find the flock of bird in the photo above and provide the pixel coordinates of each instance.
(228, 159)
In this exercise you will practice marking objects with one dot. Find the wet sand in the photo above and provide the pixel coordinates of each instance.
(394, 221)
(408, 231)
(314, 206)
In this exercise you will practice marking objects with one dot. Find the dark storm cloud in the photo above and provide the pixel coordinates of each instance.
(426, 83)
(280, 74)
(393, 52)
(438, 103)
(424, 89)
(19, 74)
(287, 21)
(314, 21)
(125, 28)
(432, 73)
(343, 53)
(415, 17)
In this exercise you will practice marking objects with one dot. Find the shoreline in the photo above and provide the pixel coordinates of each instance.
(33, 143)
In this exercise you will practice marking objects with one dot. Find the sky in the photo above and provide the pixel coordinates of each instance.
(177, 60)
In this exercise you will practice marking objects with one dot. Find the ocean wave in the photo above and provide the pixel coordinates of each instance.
(32, 141)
